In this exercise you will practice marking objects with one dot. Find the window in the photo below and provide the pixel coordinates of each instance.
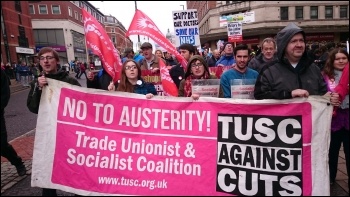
(284, 13)
(18, 6)
(31, 9)
(22, 40)
(228, 2)
(42, 9)
(76, 15)
(299, 12)
(112, 29)
(56, 9)
(314, 12)
(113, 39)
(81, 18)
(343, 11)
(20, 19)
(110, 19)
(329, 12)
(70, 11)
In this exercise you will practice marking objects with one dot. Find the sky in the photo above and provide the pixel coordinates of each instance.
(159, 11)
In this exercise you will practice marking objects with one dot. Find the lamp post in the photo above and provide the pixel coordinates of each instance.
(138, 36)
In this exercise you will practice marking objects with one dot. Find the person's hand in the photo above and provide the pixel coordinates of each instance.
(90, 76)
(300, 93)
(195, 96)
(335, 99)
(42, 81)
(111, 86)
(154, 70)
(149, 96)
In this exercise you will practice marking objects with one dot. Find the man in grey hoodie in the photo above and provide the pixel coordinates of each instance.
(293, 74)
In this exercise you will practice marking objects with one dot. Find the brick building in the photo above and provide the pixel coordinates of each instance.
(322, 21)
(116, 31)
(59, 24)
(17, 40)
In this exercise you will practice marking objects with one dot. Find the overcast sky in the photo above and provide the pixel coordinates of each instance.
(159, 11)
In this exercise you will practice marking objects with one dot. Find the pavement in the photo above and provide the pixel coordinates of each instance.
(24, 146)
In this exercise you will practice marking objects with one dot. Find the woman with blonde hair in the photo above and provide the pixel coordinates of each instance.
(131, 81)
(159, 54)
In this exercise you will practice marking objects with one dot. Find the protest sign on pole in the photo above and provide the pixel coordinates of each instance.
(186, 27)
(88, 143)
(234, 31)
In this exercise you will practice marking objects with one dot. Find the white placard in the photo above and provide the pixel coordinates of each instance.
(186, 27)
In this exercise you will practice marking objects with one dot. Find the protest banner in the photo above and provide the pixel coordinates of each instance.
(95, 142)
(141, 24)
(247, 17)
(217, 71)
(153, 78)
(98, 40)
(186, 27)
(234, 32)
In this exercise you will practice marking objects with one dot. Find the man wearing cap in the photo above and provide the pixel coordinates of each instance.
(293, 74)
(128, 54)
(227, 59)
(150, 61)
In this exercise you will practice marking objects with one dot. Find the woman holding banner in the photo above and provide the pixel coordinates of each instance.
(334, 73)
(131, 81)
(197, 68)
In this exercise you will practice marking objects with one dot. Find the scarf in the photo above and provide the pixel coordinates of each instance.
(188, 83)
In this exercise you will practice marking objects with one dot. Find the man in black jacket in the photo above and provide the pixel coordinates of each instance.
(177, 72)
(293, 74)
(7, 150)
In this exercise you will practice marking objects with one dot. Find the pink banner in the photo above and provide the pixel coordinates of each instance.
(131, 146)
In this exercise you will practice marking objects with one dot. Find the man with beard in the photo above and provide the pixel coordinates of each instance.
(239, 71)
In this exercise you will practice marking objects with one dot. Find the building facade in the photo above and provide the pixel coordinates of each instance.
(322, 21)
(59, 24)
(117, 32)
(17, 43)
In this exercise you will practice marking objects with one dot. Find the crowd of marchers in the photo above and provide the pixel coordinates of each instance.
(283, 69)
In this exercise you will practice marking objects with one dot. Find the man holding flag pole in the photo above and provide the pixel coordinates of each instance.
(143, 25)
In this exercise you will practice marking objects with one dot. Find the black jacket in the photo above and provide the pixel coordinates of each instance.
(101, 81)
(177, 73)
(5, 90)
(33, 100)
(280, 78)
(258, 62)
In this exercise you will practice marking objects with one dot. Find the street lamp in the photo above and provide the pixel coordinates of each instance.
(138, 36)
(183, 7)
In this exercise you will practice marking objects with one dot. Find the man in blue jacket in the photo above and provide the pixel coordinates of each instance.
(227, 59)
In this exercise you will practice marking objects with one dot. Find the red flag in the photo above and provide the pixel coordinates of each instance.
(142, 25)
(98, 40)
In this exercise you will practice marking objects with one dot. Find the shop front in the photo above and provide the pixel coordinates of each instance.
(25, 54)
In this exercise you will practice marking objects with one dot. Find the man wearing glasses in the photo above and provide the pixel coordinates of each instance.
(48, 61)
